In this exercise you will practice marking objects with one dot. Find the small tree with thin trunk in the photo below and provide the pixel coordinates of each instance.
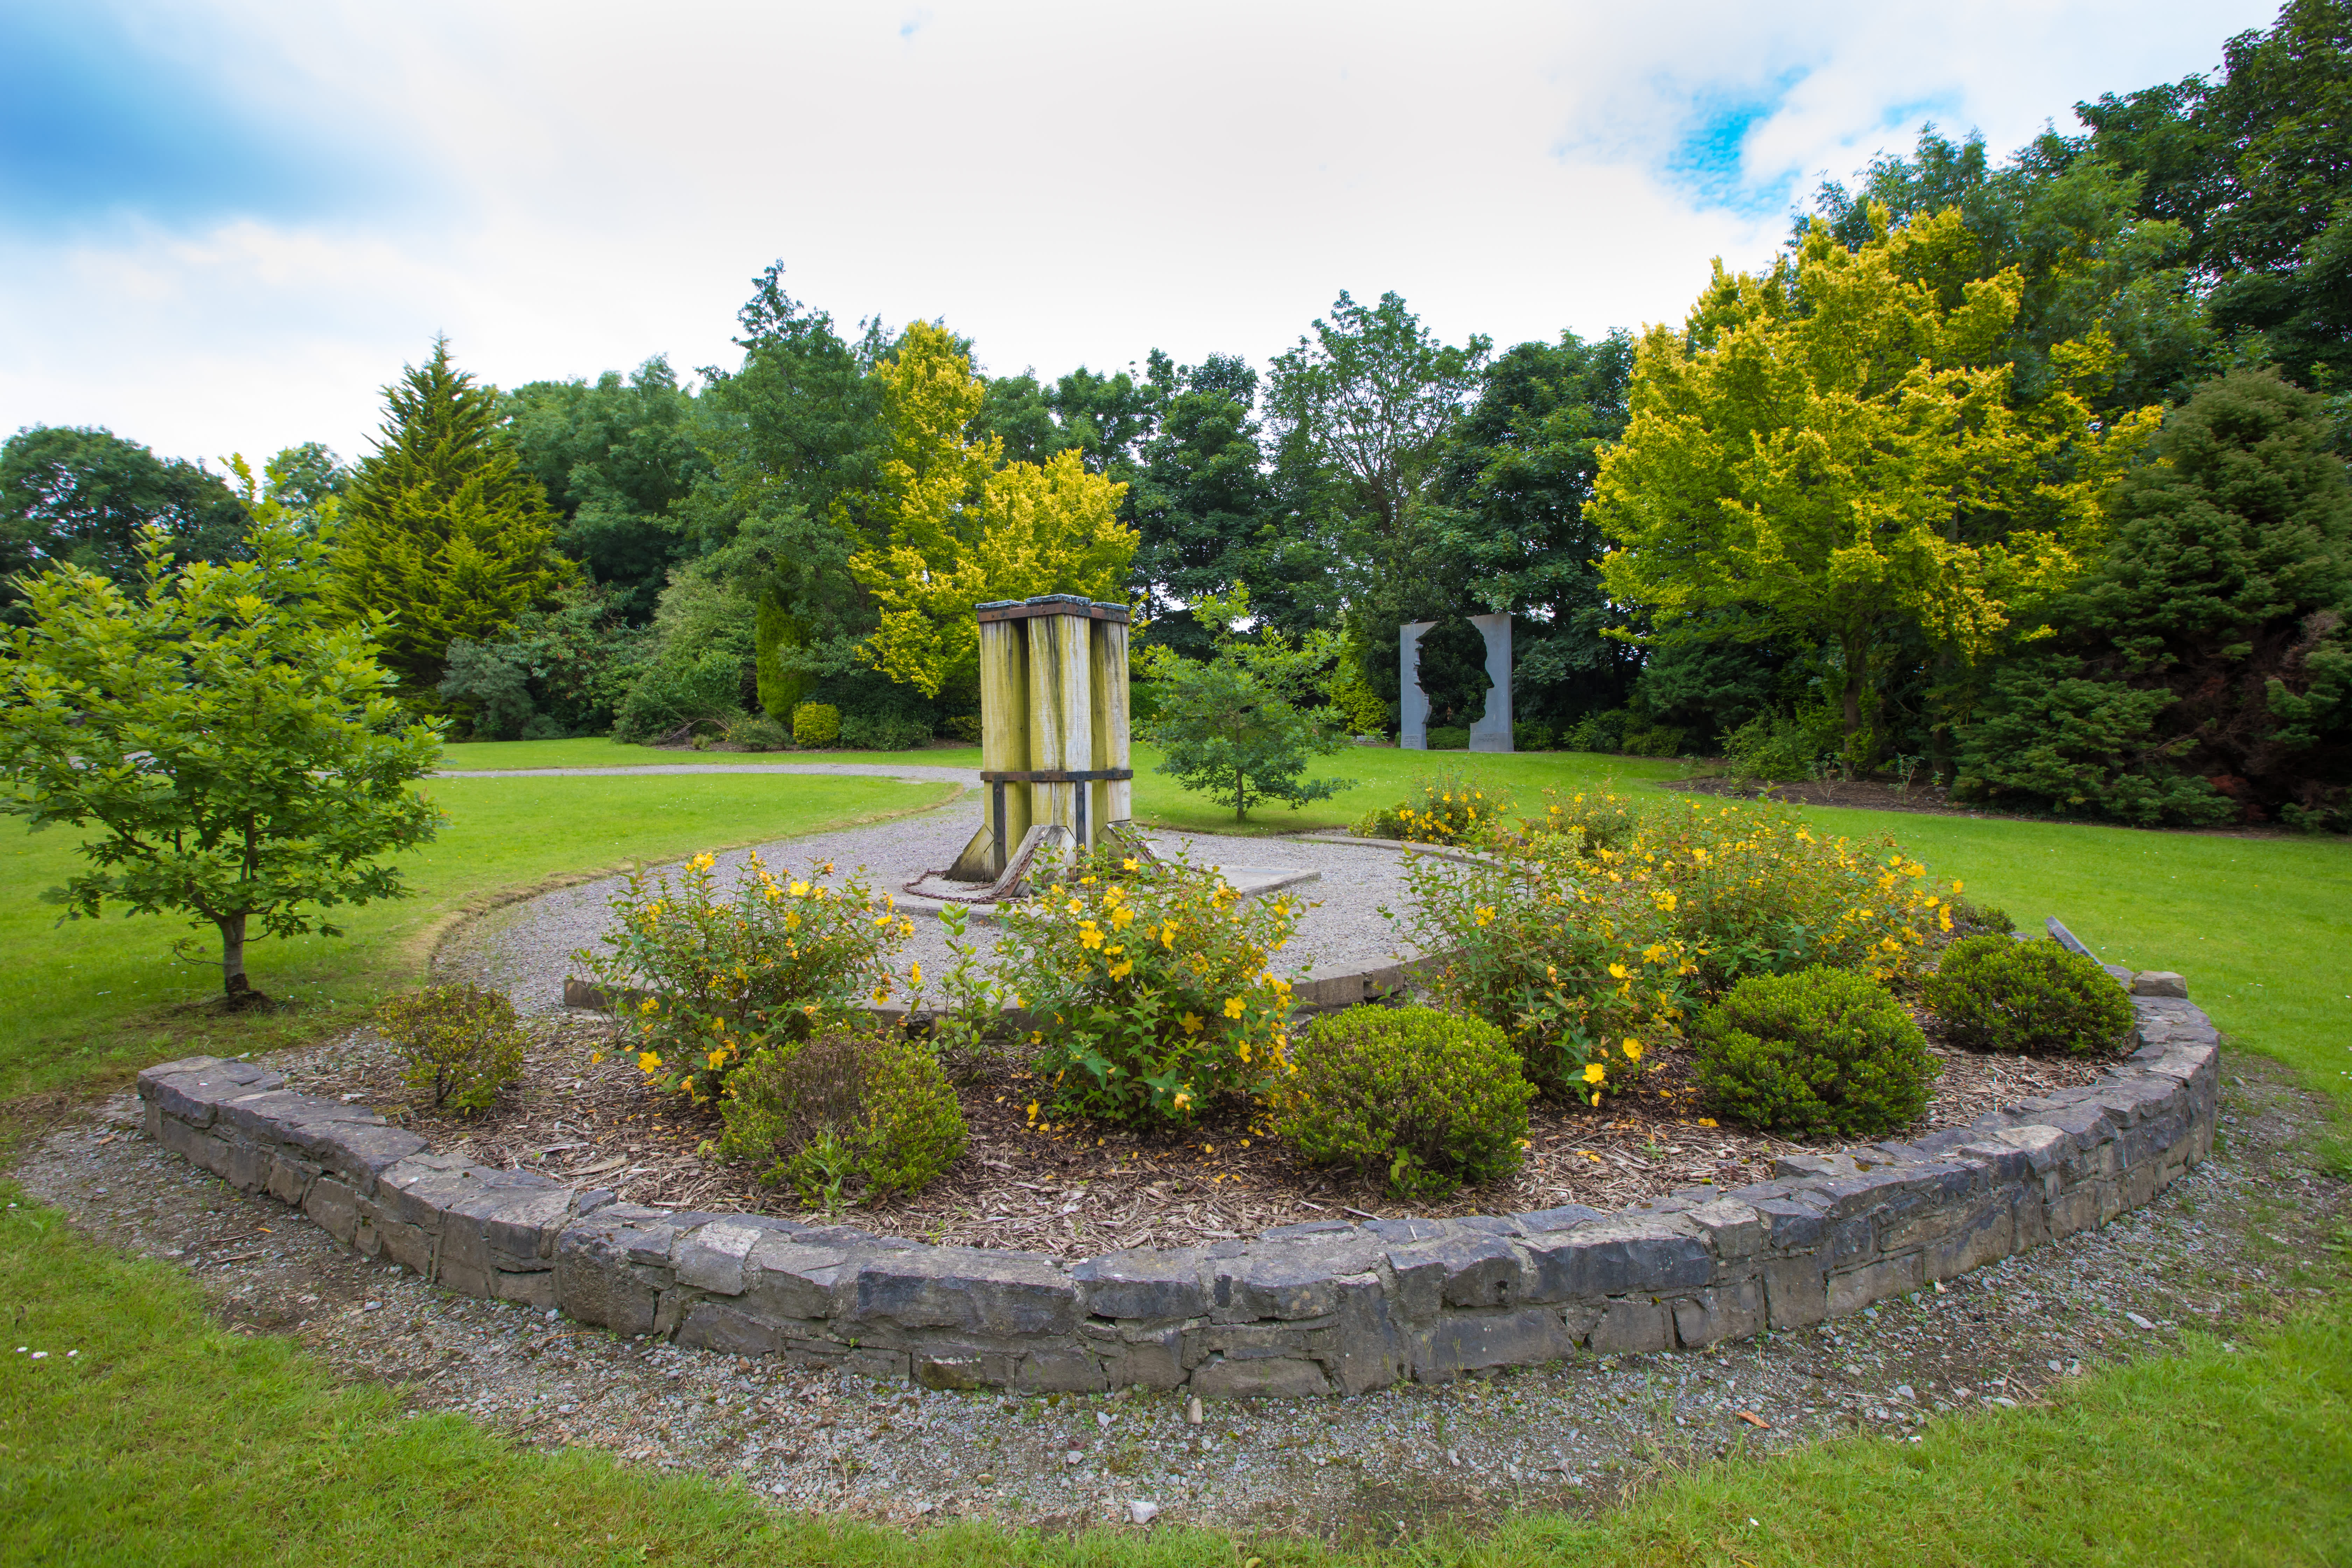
(1236, 726)
(231, 736)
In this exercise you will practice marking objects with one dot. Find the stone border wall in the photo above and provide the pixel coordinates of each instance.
(1327, 1307)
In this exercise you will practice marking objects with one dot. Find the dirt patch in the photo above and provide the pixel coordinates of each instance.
(2243, 1238)
(1077, 1189)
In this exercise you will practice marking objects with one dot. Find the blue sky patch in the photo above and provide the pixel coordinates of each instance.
(97, 123)
(1707, 160)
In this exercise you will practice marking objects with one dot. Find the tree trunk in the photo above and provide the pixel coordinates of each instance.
(235, 986)
(1855, 654)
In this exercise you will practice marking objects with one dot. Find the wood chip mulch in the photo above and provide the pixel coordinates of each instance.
(1077, 1190)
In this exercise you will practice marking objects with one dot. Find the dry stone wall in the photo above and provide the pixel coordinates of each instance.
(1328, 1307)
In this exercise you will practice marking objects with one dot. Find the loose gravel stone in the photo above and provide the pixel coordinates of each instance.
(2240, 1238)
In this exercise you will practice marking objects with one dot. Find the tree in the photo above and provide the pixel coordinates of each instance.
(445, 534)
(237, 746)
(1233, 726)
(1202, 506)
(1832, 450)
(963, 530)
(615, 458)
(2203, 670)
(1507, 531)
(87, 496)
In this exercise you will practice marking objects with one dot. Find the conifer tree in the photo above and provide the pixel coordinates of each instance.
(444, 530)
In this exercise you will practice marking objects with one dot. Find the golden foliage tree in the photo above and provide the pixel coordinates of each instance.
(1834, 452)
(965, 527)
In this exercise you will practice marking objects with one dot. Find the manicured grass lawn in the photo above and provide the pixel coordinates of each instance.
(168, 1440)
(94, 999)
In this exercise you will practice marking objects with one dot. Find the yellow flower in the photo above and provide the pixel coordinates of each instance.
(717, 1058)
(1485, 914)
(703, 862)
(1595, 1073)
(1121, 917)
(1183, 1100)
(595, 1057)
(1089, 936)
(800, 889)
(1122, 969)
(1128, 866)
(1233, 1006)
(1168, 934)
(1244, 1052)
(648, 1062)
(1033, 1111)
(1076, 905)
(1634, 1050)
(1706, 1121)
(650, 1005)
(1617, 972)
(1192, 1023)
(881, 994)
(915, 973)
(1665, 901)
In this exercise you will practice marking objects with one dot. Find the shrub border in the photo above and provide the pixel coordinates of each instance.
(1317, 1309)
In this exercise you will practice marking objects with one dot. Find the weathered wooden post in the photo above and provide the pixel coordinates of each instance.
(1053, 727)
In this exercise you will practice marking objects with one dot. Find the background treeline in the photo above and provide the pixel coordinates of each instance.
(2022, 473)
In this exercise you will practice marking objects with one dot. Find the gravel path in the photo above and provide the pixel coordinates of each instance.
(526, 948)
(2227, 1245)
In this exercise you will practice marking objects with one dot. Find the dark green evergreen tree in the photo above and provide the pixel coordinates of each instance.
(2202, 671)
(83, 496)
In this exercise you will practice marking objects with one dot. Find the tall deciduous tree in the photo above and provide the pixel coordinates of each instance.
(962, 531)
(444, 530)
(2203, 670)
(87, 496)
(238, 748)
(1834, 449)
(1201, 502)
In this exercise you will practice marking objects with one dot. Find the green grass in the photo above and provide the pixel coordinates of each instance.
(169, 1440)
(1384, 775)
(89, 1000)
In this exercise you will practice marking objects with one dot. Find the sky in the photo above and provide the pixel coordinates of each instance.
(225, 225)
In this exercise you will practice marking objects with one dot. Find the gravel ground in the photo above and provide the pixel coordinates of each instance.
(525, 949)
(2227, 1245)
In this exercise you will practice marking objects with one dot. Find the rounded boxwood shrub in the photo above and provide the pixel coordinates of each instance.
(1997, 993)
(1822, 1050)
(844, 1106)
(1428, 1099)
(815, 724)
(461, 1043)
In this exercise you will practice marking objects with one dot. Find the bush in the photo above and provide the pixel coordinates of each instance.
(1773, 749)
(1662, 740)
(461, 1042)
(845, 1105)
(883, 732)
(1451, 811)
(1822, 1050)
(759, 734)
(731, 971)
(1595, 732)
(1997, 993)
(1427, 1098)
(963, 727)
(1589, 937)
(1449, 737)
(1150, 980)
(1970, 918)
(705, 691)
(1531, 737)
(815, 724)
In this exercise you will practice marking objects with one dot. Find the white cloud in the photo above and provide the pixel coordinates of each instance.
(586, 184)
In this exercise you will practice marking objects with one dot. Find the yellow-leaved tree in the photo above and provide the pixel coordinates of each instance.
(1834, 452)
(966, 528)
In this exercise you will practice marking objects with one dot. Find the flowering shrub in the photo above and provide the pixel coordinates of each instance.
(1822, 1050)
(1588, 937)
(731, 969)
(1428, 1099)
(461, 1042)
(1996, 994)
(1450, 811)
(1150, 984)
(845, 1105)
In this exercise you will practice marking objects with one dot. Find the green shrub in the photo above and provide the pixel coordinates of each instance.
(845, 1106)
(815, 724)
(704, 690)
(1970, 918)
(461, 1042)
(1449, 737)
(1822, 1050)
(964, 727)
(1425, 1098)
(1531, 737)
(1996, 994)
(731, 971)
(1603, 731)
(760, 734)
(1150, 980)
(1660, 740)
(1773, 748)
(883, 732)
